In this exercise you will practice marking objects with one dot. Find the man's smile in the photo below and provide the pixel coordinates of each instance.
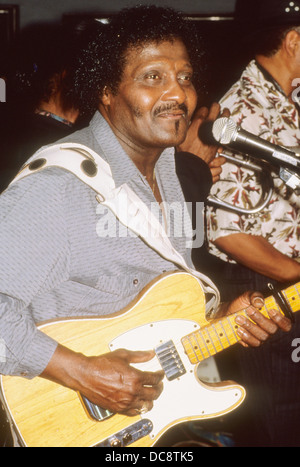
(172, 112)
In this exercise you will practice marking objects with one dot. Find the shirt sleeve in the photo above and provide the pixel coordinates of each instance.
(34, 258)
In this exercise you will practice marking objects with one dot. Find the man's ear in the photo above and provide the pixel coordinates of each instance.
(291, 42)
(105, 96)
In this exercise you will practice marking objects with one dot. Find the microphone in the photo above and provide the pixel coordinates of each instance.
(227, 133)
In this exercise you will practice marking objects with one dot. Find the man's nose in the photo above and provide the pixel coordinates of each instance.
(174, 91)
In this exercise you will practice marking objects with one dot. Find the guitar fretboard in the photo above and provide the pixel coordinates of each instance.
(221, 334)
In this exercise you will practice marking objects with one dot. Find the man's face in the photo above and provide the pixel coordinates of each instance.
(156, 97)
(296, 55)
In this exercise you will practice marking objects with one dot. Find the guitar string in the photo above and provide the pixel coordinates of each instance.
(290, 295)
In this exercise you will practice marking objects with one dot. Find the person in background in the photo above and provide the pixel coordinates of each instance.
(254, 250)
(41, 106)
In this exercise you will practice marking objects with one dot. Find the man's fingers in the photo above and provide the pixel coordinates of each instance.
(152, 378)
(201, 113)
(264, 324)
(214, 111)
(225, 113)
(251, 333)
(217, 162)
(247, 338)
(258, 328)
(210, 114)
(278, 319)
(146, 395)
(146, 378)
(151, 392)
(281, 321)
(135, 356)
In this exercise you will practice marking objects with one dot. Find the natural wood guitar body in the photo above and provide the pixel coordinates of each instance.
(171, 312)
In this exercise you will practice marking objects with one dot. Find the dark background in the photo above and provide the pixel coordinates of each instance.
(214, 19)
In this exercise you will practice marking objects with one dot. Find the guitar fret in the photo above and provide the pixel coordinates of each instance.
(225, 333)
(218, 336)
(270, 303)
(203, 343)
(293, 297)
(193, 349)
(284, 293)
(225, 336)
(229, 331)
(297, 291)
(222, 334)
(211, 340)
(207, 341)
(189, 349)
(237, 338)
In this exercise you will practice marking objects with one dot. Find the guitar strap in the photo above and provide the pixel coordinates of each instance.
(129, 209)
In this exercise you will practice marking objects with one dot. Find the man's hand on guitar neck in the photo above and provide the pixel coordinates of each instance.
(108, 380)
(258, 328)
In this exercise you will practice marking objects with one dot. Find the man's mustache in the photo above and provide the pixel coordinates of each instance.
(170, 107)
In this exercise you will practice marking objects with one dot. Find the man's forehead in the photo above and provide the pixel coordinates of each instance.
(155, 49)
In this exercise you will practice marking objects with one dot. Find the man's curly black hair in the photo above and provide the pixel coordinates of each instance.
(102, 61)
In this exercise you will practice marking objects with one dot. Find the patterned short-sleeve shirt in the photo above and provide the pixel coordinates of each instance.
(259, 106)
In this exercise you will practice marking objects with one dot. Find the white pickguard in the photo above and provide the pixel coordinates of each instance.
(185, 397)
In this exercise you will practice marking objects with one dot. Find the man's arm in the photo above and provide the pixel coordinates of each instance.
(107, 380)
(256, 253)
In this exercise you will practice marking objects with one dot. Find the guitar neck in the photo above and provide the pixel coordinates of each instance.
(220, 334)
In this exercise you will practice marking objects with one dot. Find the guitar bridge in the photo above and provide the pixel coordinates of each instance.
(170, 360)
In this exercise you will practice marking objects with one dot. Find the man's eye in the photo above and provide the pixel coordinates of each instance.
(153, 76)
(186, 78)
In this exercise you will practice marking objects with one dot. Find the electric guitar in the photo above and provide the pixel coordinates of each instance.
(168, 316)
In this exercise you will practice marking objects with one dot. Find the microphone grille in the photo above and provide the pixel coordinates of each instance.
(223, 130)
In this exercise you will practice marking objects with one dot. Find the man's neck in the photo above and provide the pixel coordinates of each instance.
(144, 158)
(279, 71)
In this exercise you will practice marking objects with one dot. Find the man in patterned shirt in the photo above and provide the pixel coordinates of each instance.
(265, 247)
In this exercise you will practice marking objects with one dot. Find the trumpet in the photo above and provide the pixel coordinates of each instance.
(266, 181)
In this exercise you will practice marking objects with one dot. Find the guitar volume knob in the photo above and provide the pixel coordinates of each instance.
(127, 438)
(116, 443)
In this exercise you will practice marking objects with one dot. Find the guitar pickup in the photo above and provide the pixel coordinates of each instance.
(170, 360)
